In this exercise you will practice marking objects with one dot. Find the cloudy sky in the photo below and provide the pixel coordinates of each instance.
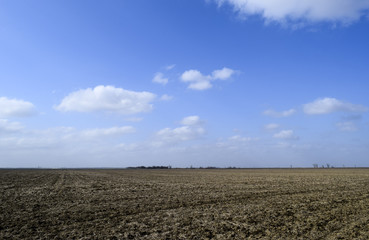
(245, 83)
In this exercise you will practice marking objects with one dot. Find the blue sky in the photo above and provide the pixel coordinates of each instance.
(240, 83)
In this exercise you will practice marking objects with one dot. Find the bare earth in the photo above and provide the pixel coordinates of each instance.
(185, 204)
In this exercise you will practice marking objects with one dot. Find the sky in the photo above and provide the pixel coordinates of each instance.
(224, 83)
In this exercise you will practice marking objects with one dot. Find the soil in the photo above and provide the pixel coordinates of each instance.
(185, 204)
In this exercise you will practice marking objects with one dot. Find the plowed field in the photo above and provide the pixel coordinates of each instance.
(185, 204)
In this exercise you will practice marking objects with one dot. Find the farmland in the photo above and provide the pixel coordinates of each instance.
(184, 204)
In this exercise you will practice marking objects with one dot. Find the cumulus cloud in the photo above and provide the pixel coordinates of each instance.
(198, 81)
(292, 11)
(9, 127)
(285, 134)
(271, 126)
(222, 74)
(330, 105)
(272, 113)
(192, 129)
(107, 99)
(15, 108)
(191, 121)
(166, 97)
(183, 133)
(159, 78)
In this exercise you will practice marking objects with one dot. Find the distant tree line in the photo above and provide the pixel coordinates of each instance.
(315, 165)
(151, 167)
(211, 167)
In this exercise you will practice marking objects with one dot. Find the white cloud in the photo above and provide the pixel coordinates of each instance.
(107, 132)
(131, 147)
(297, 11)
(15, 108)
(166, 97)
(9, 127)
(200, 85)
(223, 73)
(273, 113)
(236, 143)
(35, 139)
(271, 126)
(183, 133)
(108, 99)
(238, 138)
(61, 137)
(198, 81)
(330, 105)
(191, 120)
(191, 130)
(68, 147)
(159, 78)
(285, 134)
(346, 126)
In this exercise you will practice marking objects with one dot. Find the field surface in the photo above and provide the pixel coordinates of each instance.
(185, 204)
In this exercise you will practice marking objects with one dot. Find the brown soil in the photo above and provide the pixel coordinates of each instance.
(185, 204)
